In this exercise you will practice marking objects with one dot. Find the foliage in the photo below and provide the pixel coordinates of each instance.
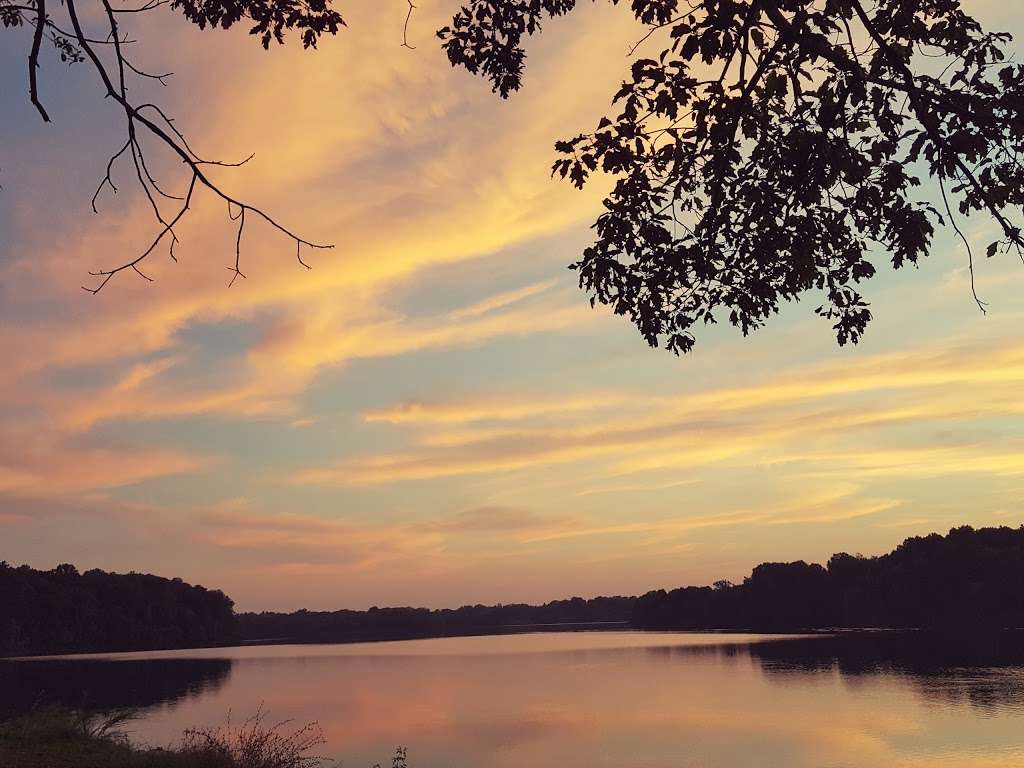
(773, 146)
(399, 760)
(967, 580)
(63, 611)
(271, 18)
(54, 724)
(770, 150)
(58, 738)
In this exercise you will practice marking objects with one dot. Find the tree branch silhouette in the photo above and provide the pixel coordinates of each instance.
(33, 59)
(174, 141)
(791, 169)
(271, 19)
(771, 150)
(405, 27)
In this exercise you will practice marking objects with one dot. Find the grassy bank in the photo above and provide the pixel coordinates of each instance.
(53, 738)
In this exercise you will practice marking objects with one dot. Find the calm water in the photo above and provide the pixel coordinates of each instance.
(585, 699)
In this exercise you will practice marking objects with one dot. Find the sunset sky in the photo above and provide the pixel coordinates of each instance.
(434, 415)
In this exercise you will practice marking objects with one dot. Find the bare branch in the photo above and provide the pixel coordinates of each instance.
(107, 180)
(107, 274)
(171, 139)
(140, 73)
(149, 176)
(298, 255)
(405, 28)
(654, 28)
(33, 59)
(91, 40)
(970, 254)
(238, 249)
(147, 7)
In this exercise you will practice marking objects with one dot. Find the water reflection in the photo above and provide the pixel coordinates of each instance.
(983, 670)
(99, 685)
(614, 699)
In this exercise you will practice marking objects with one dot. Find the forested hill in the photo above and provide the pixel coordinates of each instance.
(967, 580)
(405, 623)
(64, 611)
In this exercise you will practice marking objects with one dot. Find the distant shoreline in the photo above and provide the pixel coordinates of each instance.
(916, 633)
(961, 583)
(508, 629)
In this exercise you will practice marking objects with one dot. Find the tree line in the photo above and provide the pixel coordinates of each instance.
(408, 623)
(969, 579)
(64, 611)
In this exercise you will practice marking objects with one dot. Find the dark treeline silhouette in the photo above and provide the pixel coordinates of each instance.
(406, 623)
(63, 611)
(969, 579)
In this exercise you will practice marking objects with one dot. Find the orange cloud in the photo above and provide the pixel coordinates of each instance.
(799, 416)
(35, 466)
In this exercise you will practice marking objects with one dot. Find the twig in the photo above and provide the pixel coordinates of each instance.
(172, 139)
(238, 249)
(970, 254)
(405, 29)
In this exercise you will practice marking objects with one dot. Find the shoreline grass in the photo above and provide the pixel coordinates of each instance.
(58, 738)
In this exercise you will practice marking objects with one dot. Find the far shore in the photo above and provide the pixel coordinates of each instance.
(574, 627)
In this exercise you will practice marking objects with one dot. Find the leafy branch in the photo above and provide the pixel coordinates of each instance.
(774, 147)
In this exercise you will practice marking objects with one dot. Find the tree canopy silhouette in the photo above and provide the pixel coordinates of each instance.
(963, 582)
(772, 146)
(64, 611)
(770, 149)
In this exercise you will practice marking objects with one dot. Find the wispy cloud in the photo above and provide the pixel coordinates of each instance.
(501, 300)
(37, 466)
(490, 519)
(494, 408)
(828, 418)
(553, 440)
(636, 487)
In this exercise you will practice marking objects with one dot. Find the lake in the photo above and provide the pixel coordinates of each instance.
(582, 699)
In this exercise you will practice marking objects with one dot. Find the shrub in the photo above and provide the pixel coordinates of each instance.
(254, 744)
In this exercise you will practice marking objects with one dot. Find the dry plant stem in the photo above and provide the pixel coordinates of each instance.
(162, 128)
